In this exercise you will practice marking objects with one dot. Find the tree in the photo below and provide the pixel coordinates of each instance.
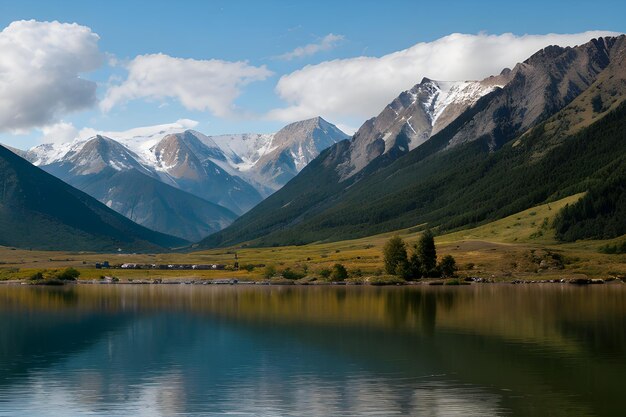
(394, 254)
(414, 270)
(339, 272)
(426, 252)
(447, 266)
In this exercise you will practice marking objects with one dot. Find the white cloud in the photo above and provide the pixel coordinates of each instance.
(358, 88)
(326, 43)
(40, 67)
(59, 133)
(211, 85)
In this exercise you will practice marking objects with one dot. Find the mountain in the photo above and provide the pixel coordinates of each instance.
(192, 184)
(108, 171)
(292, 148)
(500, 154)
(193, 166)
(39, 211)
(411, 119)
(270, 161)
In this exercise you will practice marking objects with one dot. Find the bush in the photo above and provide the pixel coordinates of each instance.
(288, 273)
(269, 271)
(447, 267)
(613, 249)
(69, 274)
(249, 267)
(339, 272)
(325, 273)
(37, 276)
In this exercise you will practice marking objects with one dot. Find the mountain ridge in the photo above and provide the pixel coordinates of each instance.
(403, 189)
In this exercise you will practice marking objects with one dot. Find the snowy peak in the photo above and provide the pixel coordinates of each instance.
(99, 153)
(49, 153)
(292, 148)
(266, 161)
(303, 141)
(175, 155)
(270, 160)
(412, 118)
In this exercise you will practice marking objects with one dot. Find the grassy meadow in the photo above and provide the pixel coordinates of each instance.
(521, 246)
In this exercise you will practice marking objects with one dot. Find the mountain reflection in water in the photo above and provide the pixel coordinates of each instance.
(259, 350)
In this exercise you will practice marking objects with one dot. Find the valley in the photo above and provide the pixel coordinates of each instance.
(509, 249)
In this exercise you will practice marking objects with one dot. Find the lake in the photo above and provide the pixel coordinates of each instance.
(193, 350)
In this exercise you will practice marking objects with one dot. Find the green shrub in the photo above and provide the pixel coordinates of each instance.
(324, 273)
(339, 272)
(269, 271)
(288, 273)
(68, 274)
(447, 267)
(37, 276)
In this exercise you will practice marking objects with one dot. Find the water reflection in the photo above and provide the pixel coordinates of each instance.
(165, 350)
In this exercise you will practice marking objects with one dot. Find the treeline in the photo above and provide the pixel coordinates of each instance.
(600, 214)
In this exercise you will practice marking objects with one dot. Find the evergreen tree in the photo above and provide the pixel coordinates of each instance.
(394, 254)
(414, 267)
(426, 252)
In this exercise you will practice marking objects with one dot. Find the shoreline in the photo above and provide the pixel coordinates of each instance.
(454, 282)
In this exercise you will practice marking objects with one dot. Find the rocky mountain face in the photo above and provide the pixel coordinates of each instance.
(292, 148)
(191, 184)
(270, 161)
(414, 161)
(38, 210)
(193, 166)
(538, 88)
(412, 118)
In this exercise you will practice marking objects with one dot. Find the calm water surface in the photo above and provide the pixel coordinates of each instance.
(186, 350)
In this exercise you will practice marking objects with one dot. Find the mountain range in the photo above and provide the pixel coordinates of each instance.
(443, 155)
(191, 184)
(453, 154)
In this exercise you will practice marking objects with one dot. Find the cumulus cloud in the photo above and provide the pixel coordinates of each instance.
(358, 88)
(211, 85)
(326, 43)
(40, 67)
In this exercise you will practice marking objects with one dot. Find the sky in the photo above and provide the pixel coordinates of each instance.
(73, 68)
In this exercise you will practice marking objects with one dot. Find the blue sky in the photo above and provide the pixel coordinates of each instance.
(263, 34)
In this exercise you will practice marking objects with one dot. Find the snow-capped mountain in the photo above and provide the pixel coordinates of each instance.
(98, 153)
(113, 174)
(270, 161)
(412, 118)
(191, 184)
(192, 166)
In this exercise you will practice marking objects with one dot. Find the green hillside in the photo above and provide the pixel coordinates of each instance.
(466, 185)
(39, 211)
